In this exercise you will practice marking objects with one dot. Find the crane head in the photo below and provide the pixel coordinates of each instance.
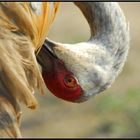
(58, 79)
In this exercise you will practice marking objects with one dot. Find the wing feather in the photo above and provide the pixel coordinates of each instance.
(22, 33)
(20, 16)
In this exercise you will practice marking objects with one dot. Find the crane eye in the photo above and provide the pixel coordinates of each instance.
(70, 81)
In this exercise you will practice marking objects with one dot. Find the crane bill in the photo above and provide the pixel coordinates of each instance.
(48, 45)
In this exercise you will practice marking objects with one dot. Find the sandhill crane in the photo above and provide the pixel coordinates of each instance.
(72, 72)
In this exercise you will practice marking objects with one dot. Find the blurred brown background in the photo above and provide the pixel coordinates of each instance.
(113, 113)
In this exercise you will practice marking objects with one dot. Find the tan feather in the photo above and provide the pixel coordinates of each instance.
(20, 16)
(22, 33)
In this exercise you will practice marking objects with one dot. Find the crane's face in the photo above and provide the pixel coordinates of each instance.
(58, 79)
(69, 76)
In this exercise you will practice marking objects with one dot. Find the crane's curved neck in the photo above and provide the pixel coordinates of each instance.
(107, 22)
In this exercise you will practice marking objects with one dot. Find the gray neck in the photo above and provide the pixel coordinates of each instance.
(107, 23)
(108, 30)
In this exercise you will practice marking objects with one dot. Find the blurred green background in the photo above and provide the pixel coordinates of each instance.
(113, 113)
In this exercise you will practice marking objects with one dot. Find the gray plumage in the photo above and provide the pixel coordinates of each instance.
(97, 62)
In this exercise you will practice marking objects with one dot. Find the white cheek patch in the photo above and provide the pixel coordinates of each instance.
(36, 7)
